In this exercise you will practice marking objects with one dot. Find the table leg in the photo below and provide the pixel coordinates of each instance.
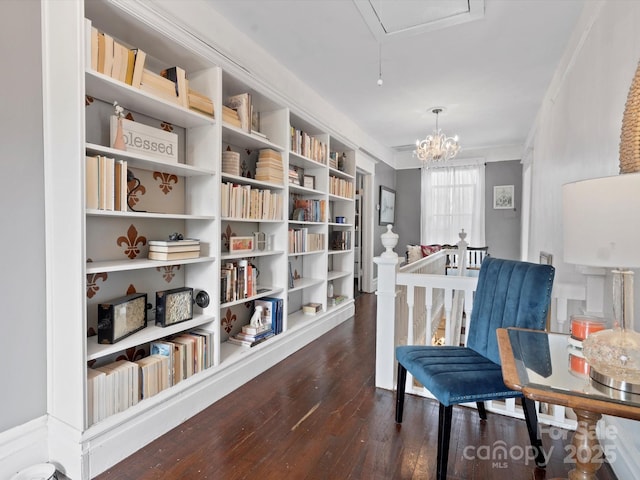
(586, 448)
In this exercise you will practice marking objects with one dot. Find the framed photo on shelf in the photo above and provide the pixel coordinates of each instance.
(174, 306)
(387, 206)
(309, 182)
(240, 244)
(503, 197)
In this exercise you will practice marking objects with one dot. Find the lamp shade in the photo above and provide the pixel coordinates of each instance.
(601, 221)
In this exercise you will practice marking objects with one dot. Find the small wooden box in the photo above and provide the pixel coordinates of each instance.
(121, 317)
(174, 306)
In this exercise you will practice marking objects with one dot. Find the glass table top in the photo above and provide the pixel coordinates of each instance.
(551, 361)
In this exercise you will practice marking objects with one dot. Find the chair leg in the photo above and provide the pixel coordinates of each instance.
(444, 435)
(400, 388)
(482, 411)
(531, 417)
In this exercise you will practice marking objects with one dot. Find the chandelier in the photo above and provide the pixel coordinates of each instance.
(437, 147)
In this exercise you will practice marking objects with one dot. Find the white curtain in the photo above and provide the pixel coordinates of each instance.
(452, 198)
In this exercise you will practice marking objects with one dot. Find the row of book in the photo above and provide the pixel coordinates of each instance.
(340, 187)
(106, 183)
(340, 240)
(270, 324)
(304, 144)
(174, 249)
(242, 201)
(308, 210)
(238, 280)
(337, 160)
(301, 241)
(269, 166)
(114, 387)
(110, 57)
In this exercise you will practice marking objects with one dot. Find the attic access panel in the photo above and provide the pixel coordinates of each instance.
(408, 17)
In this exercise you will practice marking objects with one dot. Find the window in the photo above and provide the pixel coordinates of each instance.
(453, 199)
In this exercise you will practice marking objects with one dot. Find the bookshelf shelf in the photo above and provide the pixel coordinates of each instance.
(109, 90)
(146, 335)
(340, 198)
(139, 264)
(339, 173)
(305, 162)
(165, 216)
(148, 162)
(336, 274)
(267, 291)
(254, 253)
(249, 181)
(301, 283)
(236, 136)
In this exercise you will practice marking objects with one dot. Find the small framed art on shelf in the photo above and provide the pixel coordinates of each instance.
(240, 244)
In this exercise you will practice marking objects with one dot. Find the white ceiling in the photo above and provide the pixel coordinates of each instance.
(489, 69)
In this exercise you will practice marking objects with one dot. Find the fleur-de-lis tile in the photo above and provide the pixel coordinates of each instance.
(167, 180)
(92, 283)
(168, 272)
(131, 241)
(228, 320)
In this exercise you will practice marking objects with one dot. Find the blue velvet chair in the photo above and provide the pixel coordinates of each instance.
(509, 294)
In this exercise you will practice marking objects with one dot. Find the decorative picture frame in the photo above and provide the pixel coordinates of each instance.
(174, 306)
(240, 244)
(309, 182)
(121, 317)
(503, 197)
(387, 206)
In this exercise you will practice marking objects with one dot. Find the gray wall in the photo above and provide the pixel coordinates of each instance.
(502, 227)
(407, 208)
(384, 175)
(23, 361)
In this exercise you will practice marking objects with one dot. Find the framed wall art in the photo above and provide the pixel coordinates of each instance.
(240, 244)
(503, 197)
(387, 206)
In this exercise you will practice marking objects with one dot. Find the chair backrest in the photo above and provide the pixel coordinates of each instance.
(509, 294)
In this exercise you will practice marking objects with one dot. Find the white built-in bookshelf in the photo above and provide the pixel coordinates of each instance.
(97, 255)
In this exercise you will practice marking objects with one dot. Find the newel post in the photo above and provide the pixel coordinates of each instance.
(386, 310)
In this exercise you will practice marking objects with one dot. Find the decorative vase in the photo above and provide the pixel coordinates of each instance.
(118, 141)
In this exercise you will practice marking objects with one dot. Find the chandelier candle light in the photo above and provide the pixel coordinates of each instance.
(437, 147)
(600, 230)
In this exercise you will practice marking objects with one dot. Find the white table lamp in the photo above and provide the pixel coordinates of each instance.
(601, 223)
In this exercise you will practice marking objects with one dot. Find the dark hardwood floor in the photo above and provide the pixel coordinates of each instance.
(317, 415)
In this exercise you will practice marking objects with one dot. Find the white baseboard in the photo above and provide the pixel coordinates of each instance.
(618, 439)
(81, 456)
(23, 446)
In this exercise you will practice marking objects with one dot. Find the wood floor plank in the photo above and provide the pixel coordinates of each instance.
(317, 415)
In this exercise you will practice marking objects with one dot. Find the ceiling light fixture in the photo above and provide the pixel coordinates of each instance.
(436, 147)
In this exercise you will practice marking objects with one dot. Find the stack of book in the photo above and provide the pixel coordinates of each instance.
(231, 162)
(269, 166)
(174, 249)
(251, 336)
(230, 116)
(160, 86)
(199, 102)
